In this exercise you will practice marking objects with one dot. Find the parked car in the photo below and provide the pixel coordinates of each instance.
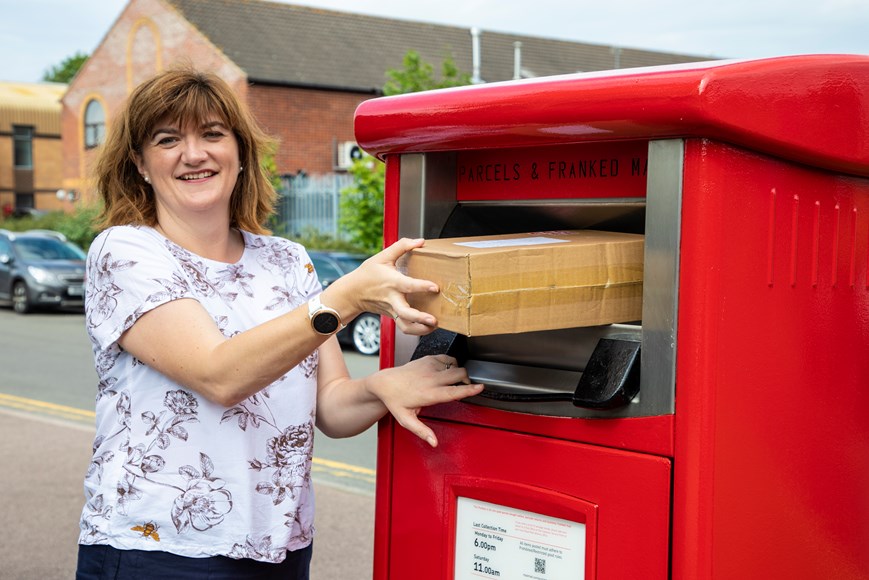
(23, 212)
(363, 333)
(40, 269)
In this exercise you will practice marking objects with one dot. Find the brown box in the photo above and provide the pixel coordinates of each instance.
(533, 281)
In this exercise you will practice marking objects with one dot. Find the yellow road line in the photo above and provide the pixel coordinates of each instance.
(328, 463)
(335, 468)
(43, 407)
(12, 399)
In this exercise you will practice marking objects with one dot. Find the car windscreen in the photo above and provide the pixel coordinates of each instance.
(326, 272)
(348, 264)
(47, 249)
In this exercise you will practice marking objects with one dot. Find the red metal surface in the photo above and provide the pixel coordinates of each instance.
(771, 472)
(770, 438)
(810, 108)
(391, 196)
(385, 458)
(642, 434)
(627, 525)
(582, 170)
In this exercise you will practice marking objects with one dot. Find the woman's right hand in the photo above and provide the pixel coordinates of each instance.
(378, 286)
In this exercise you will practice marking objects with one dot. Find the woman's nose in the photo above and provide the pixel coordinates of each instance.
(193, 152)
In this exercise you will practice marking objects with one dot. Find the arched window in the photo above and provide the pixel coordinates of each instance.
(94, 124)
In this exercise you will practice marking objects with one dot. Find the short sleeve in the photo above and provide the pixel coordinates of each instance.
(310, 283)
(130, 271)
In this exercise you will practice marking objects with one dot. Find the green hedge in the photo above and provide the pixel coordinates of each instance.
(76, 226)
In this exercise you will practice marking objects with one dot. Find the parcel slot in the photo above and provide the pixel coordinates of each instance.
(575, 372)
(605, 377)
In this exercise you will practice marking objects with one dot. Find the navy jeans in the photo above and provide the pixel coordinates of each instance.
(107, 563)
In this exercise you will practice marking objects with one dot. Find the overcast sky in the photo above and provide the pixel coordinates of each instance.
(38, 34)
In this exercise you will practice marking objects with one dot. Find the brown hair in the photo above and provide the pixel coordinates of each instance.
(181, 95)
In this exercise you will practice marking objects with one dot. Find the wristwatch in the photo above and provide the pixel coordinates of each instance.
(324, 320)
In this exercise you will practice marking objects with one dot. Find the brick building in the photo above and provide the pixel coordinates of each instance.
(30, 146)
(302, 71)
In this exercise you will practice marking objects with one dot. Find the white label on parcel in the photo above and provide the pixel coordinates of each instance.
(494, 541)
(511, 242)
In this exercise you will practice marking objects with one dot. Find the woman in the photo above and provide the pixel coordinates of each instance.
(215, 349)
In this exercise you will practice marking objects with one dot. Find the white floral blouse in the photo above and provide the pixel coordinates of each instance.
(172, 471)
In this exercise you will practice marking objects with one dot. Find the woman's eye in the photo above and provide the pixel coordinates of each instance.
(214, 135)
(166, 140)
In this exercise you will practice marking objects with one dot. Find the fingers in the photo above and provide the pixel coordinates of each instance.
(446, 360)
(413, 322)
(460, 391)
(431, 380)
(394, 252)
(412, 423)
(380, 286)
(444, 363)
(399, 248)
(413, 285)
(454, 379)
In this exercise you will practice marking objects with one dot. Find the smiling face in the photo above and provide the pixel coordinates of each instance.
(192, 169)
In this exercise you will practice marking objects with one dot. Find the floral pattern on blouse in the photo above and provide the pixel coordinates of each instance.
(171, 470)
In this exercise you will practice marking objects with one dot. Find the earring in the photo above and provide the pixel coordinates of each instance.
(146, 178)
(240, 168)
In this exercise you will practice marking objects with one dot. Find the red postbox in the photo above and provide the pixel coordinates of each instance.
(745, 453)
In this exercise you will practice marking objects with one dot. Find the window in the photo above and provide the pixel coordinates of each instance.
(326, 271)
(23, 137)
(24, 200)
(94, 124)
(47, 249)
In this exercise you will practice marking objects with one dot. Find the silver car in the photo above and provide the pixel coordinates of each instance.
(40, 269)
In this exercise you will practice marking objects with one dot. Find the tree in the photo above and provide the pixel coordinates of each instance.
(66, 70)
(362, 205)
(418, 75)
(362, 202)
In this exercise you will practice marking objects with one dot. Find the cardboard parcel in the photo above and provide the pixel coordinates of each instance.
(513, 283)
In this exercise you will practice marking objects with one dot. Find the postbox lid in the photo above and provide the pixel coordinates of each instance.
(813, 109)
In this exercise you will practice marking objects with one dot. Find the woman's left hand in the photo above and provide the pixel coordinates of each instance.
(427, 381)
(378, 286)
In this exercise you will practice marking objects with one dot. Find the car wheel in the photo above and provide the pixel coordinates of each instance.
(21, 298)
(366, 334)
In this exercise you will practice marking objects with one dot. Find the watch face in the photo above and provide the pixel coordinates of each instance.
(325, 322)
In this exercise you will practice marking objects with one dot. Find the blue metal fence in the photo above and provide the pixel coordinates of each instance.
(311, 204)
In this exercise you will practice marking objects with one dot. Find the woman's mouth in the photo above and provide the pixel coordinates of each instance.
(194, 176)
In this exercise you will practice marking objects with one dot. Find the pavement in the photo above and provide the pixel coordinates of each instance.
(42, 466)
